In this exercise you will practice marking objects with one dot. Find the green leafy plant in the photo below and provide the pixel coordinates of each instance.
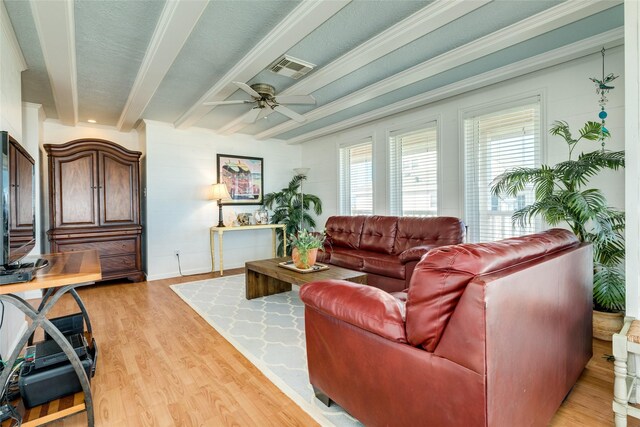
(305, 241)
(291, 207)
(560, 197)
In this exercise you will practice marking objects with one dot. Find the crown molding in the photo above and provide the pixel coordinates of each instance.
(557, 56)
(177, 21)
(55, 26)
(7, 29)
(548, 20)
(430, 18)
(297, 25)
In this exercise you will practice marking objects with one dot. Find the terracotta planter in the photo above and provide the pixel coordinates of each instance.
(304, 262)
(606, 324)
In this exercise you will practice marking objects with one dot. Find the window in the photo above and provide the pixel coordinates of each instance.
(496, 142)
(413, 171)
(356, 179)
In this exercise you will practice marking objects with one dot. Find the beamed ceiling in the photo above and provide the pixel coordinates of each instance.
(118, 62)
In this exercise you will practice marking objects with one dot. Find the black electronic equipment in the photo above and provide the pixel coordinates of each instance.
(49, 353)
(38, 386)
(70, 324)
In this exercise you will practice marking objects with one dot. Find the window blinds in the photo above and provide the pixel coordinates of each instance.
(496, 142)
(413, 171)
(356, 179)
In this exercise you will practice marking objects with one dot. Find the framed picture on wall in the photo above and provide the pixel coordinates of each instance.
(243, 177)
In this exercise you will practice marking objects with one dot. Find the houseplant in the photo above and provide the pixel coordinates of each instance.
(560, 198)
(305, 247)
(291, 207)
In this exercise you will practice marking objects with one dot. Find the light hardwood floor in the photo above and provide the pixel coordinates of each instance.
(161, 364)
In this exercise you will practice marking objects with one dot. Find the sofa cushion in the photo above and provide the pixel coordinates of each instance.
(347, 258)
(440, 231)
(379, 234)
(344, 231)
(383, 264)
(441, 277)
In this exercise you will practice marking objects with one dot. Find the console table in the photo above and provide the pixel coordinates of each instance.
(222, 230)
(65, 272)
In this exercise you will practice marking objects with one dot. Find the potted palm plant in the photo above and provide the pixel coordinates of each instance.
(305, 246)
(291, 207)
(560, 198)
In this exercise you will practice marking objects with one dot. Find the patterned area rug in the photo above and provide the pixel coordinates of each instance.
(268, 331)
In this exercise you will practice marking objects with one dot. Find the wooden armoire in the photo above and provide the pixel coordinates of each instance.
(94, 203)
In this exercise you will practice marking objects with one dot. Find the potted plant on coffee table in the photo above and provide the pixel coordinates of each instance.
(305, 248)
(560, 198)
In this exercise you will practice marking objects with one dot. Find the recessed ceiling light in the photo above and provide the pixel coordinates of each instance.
(91, 121)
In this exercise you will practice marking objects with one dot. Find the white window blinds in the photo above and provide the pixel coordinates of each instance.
(356, 179)
(496, 142)
(413, 171)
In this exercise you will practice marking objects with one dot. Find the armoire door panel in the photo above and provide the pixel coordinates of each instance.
(21, 190)
(77, 190)
(118, 190)
(24, 192)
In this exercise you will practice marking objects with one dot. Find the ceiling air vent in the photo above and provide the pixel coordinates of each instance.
(291, 67)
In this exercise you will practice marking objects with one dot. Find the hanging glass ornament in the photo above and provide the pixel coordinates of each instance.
(602, 88)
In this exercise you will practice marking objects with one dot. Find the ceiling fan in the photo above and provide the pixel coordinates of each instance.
(264, 96)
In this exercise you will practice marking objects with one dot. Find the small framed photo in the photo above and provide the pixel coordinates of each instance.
(243, 177)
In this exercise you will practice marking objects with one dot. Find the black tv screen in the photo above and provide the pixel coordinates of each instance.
(18, 207)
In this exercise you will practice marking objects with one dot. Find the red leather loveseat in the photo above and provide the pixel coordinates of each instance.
(491, 334)
(387, 248)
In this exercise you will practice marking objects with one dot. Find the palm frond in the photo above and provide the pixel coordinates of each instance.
(608, 288)
(592, 131)
(561, 128)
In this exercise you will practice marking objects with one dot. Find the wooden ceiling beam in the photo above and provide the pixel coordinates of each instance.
(177, 21)
(55, 26)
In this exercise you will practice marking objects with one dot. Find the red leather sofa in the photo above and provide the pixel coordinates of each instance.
(492, 334)
(387, 248)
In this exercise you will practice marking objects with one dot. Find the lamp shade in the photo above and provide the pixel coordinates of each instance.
(220, 191)
(301, 171)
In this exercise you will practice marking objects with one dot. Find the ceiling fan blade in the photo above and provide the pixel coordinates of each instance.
(252, 115)
(264, 112)
(245, 87)
(227, 102)
(290, 113)
(295, 99)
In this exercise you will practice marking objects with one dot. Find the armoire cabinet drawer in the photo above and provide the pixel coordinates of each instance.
(111, 247)
(118, 263)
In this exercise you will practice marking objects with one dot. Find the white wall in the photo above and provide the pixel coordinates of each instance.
(180, 168)
(54, 132)
(568, 95)
(11, 65)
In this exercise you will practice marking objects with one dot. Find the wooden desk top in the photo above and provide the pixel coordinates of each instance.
(67, 268)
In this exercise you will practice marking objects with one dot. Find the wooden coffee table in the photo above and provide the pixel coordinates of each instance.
(266, 277)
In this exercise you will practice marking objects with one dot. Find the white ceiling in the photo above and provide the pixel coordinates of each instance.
(121, 61)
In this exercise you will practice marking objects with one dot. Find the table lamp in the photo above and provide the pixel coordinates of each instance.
(220, 192)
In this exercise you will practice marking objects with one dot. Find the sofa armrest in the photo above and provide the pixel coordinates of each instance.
(415, 254)
(363, 306)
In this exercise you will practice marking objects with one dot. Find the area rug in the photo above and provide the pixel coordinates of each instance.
(269, 331)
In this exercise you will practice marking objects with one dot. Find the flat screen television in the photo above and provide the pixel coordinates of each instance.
(17, 209)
